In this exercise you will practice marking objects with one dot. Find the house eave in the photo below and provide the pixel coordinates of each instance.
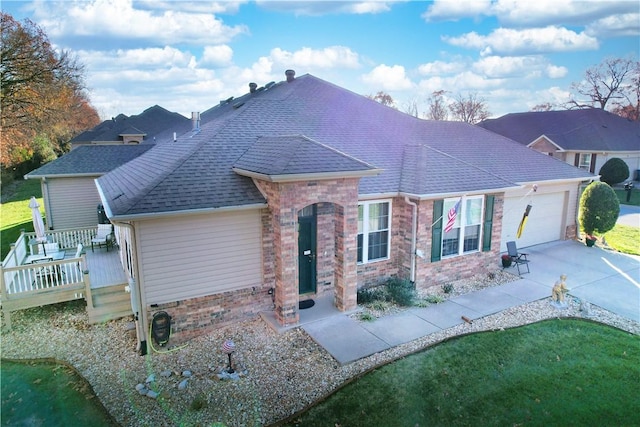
(307, 176)
(449, 194)
(184, 213)
(64, 175)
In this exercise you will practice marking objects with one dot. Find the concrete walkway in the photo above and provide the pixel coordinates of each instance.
(604, 278)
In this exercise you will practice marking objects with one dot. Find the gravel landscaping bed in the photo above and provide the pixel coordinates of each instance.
(279, 374)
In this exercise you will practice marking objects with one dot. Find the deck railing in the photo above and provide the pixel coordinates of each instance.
(32, 285)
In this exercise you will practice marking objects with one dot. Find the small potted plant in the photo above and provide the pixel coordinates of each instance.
(590, 239)
(506, 261)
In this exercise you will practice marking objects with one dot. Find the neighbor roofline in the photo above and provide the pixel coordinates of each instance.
(65, 175)
(548, 139)
(283, 178)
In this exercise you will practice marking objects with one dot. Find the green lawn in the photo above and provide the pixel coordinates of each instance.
(48, 394)
(15, 214)
(557, 372)
(624, 238)
(635, 196)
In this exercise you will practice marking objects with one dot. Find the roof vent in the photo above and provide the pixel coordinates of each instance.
(268, 85)
(291, 75)
(253, 87)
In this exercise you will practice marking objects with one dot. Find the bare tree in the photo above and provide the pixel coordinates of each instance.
(469, 109)
(547, 106)
(602, 83)
(437, 107)
(411, 107)
(630, 107)
(383, 98)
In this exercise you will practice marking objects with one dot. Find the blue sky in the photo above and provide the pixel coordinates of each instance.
(188, 55)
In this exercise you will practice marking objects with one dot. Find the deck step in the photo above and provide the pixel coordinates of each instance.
(109, 303)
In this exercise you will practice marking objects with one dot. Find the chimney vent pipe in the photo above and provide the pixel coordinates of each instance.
(291, 75)
(253, 87)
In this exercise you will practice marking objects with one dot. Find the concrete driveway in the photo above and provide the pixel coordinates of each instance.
(629, 215)
(602, 277)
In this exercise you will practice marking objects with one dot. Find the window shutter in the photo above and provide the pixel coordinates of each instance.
(592, 166)
(436, 231)
(576, 160)
(488, 223)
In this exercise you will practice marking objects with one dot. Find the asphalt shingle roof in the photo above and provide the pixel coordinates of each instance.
(416, 156)
(591, 129)
(90, 160)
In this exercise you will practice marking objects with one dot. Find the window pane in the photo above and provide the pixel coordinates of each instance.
(473, 211)
(360, 217)
(378, 216)
(360, 247)
(378, 245)
(448, 205)
(471, 238)
(450, 242)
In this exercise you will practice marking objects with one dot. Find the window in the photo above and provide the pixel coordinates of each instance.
(464, 236)
(373, 231)
(585, 161)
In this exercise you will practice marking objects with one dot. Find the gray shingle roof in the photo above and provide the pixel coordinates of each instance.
(577, 130)
(154, 121)
(416, 156)
(90, 160)
(296, 155)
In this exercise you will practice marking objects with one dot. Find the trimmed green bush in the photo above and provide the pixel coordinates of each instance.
(402, 291)
(614, 171)
(369, 295)
(599, 208)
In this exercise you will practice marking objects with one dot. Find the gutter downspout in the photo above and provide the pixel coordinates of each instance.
(414, 237)
(141, 315)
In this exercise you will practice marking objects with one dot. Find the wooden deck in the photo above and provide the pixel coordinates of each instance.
(97, 277)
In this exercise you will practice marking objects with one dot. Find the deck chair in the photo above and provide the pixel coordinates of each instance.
(104, 236)
(517, 258)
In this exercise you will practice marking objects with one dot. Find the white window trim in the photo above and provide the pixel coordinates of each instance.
(462, 214)
(365, 230)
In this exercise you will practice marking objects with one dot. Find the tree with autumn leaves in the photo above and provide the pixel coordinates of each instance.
(43, 103)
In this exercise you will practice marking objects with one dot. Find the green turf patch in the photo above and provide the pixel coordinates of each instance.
(624, 238)
(559, 372)
(46, 393)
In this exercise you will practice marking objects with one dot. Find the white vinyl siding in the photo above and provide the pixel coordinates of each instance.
(73, 202)
(194, 256)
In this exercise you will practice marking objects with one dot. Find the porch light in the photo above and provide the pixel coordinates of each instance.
(229, 347)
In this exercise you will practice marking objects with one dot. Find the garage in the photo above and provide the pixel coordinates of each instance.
(546, 219)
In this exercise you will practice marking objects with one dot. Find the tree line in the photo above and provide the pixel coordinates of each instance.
(614, 85)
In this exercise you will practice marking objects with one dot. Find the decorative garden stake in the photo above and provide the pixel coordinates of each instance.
(229, 347)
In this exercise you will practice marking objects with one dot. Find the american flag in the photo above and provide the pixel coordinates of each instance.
(453, 212)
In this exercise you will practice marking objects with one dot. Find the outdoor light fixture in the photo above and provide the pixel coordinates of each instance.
(229, 347)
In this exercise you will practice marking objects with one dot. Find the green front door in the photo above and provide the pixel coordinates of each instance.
(307, 250)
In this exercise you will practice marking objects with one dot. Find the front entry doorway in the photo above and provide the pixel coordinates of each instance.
(307, 226)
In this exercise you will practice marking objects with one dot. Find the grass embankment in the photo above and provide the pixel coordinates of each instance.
(15, 214)
(634, 199)
(554, 372)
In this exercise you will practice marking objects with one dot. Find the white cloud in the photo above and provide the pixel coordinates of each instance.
(437, 68)
(613, 26)
(319, 8)
(144, 58)
(329, 57)
(553, 12)
(517, 66)
(534, 40)
(555, 72)
(119, 19)
(453, 10)
(220, 55)
(384, 77)
(226, 6)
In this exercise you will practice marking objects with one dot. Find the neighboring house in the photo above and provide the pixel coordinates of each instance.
(152, 125)
(68, 189)
(305, 189)
(583, 138)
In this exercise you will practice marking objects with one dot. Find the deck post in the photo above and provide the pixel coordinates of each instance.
(87, 285)
(5, 302)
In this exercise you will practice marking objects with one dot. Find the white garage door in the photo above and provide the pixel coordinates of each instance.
(545, 221)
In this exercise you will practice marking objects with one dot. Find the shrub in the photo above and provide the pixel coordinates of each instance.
(366, 316)
(402, 291)
(369, 295)
(599, 208)
(447, 288)
(614, 171)
(434, 299)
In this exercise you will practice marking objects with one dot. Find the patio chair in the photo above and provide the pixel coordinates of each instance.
(517, 258)
(103, 237)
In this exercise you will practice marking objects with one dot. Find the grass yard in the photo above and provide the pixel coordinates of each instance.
(624, 238)
(15, 214)
(46, 393)
(556, 372)
(622, 196)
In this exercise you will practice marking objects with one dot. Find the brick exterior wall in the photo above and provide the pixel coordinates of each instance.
(195, 316)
